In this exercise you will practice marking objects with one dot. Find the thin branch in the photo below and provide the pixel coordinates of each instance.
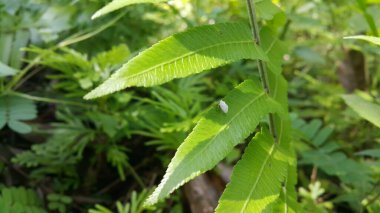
(136, 176)
(21, 74)
(262, 68)
(91, 32)
(27, 77)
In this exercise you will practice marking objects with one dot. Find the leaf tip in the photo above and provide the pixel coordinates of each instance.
(98, 92)
(109, 86)
(349, 37)
(88, 96)
(97, 14)
(151, 200)
(148, 202)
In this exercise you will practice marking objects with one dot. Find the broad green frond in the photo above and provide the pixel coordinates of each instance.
(366, 109)
(15, 109)
(372, 39)
(118, 4)
(256, 180)
(183, 54)
(215, 135)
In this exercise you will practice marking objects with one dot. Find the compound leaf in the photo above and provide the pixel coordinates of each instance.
(15, 109)
(19, 199)
(215, 135)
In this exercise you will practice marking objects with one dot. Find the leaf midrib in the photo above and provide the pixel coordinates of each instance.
(186, 55)
(221, 129)
(258, 178)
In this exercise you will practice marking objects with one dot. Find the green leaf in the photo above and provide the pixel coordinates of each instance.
(375, 153)
(6, 70)
(266, 9)
(183, 54)
(366, 109)
(6, 43)
(336, 163)
(19, 199)
(20, 41)
(117, 55)
(19, 127)
(118, 4)
(287, 201)
(215, 135)
(15, 109)
(309, 55)
(314, 132)
(275, 50)
(372, 39)
(256, 180)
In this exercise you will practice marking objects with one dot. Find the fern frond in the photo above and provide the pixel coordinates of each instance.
(183, 54)
(19, 199)
(118, 4)
(215, 135)
(257, 177)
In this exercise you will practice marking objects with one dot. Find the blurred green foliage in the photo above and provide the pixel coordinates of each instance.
(95, 155)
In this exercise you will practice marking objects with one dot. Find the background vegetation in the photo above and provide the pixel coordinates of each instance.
(59, 153)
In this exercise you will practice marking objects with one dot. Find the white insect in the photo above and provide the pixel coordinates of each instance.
(223, 106)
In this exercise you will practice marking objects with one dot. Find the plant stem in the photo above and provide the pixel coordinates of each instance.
(48, 100)
(86, 35)
(136, 176)
(261, 66)
(21, 74)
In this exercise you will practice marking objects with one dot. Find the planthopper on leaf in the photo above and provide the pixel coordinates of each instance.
(223, 106)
